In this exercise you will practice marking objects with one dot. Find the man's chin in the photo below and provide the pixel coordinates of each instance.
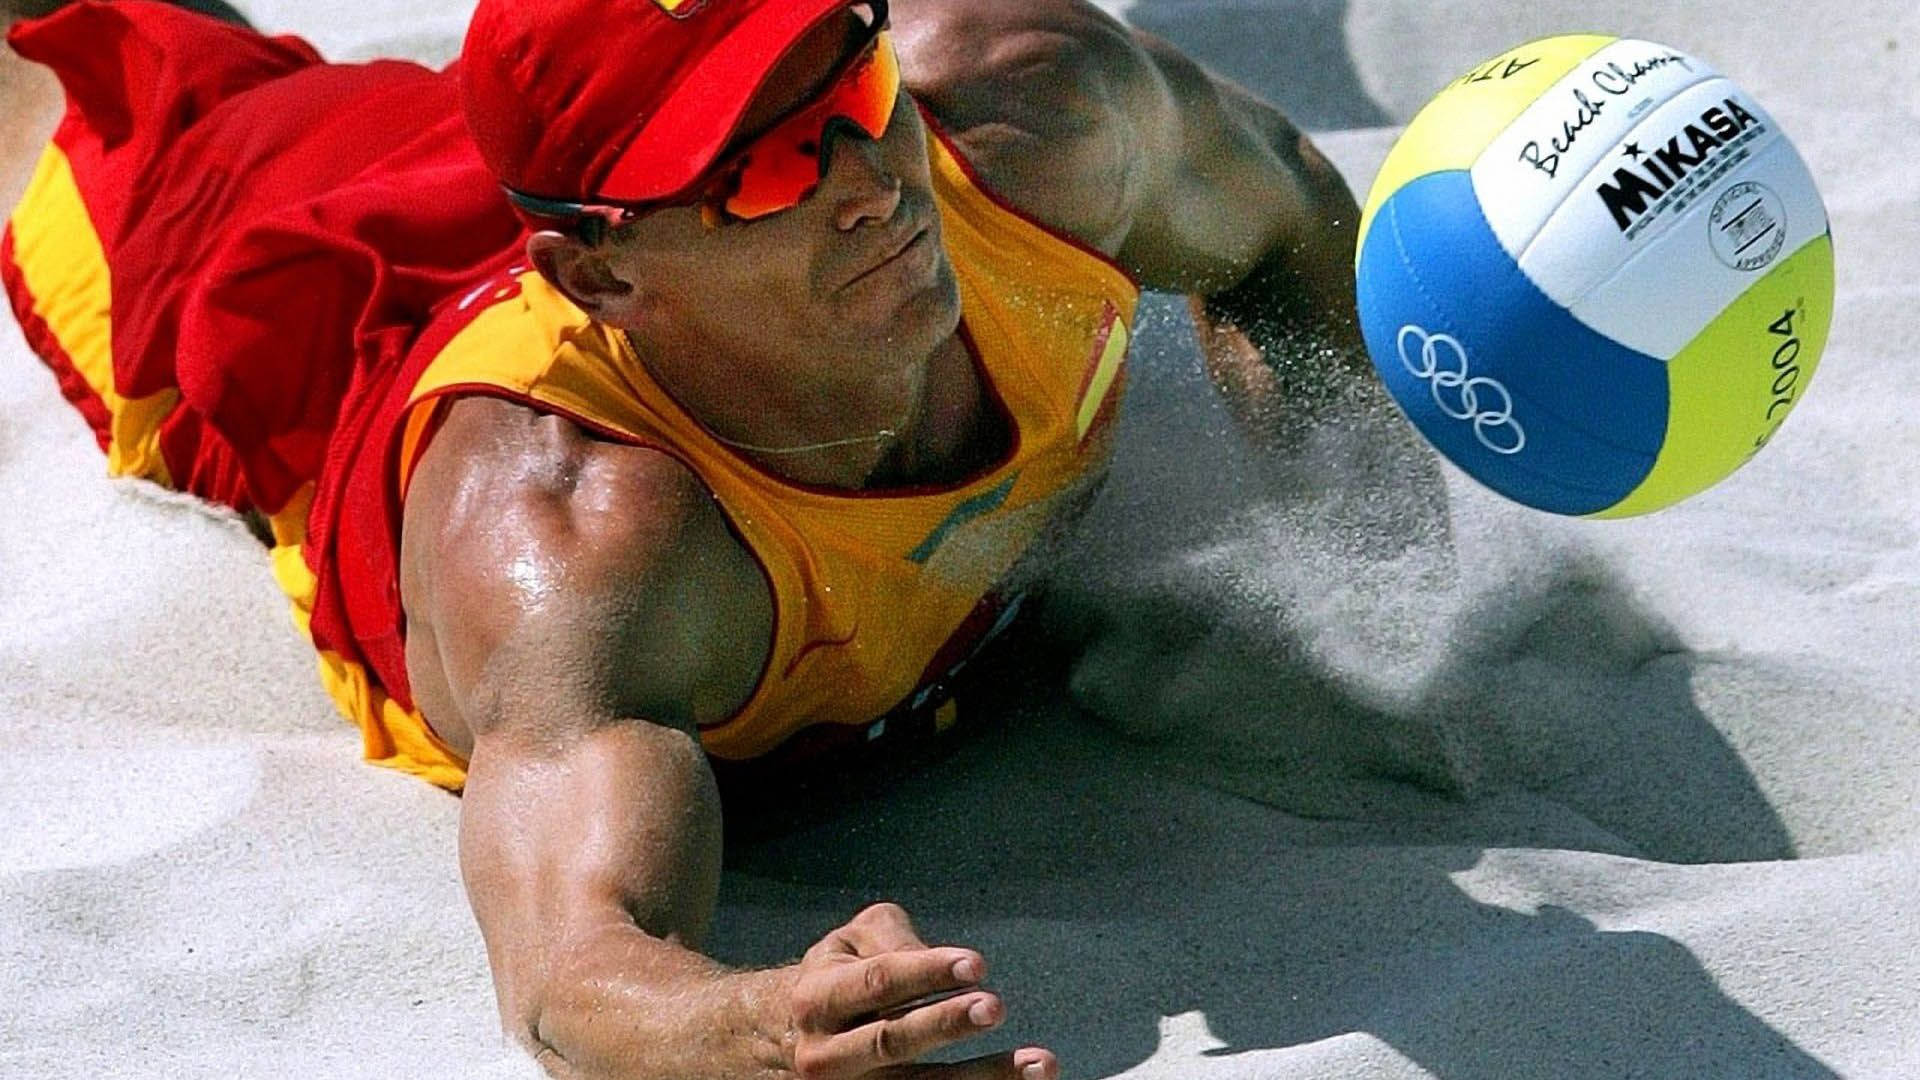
(916, 320)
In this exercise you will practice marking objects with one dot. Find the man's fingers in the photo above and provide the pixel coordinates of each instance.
(879, 928)
(1029, 1063)
(839, 996)
(882, 1044)
(882, 928)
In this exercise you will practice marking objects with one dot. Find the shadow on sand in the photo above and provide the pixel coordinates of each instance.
(1110, 885)
(1155, 808)
(1292, 53)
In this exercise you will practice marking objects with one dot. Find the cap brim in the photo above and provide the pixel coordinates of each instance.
(693, 125)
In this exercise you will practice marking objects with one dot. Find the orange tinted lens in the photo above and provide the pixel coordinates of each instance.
(782, 167)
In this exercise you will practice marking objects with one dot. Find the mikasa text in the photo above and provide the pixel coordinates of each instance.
(1660, 171)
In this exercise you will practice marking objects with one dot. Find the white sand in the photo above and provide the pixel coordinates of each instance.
(1669, 770)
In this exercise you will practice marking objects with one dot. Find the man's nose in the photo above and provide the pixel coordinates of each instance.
(859, 183)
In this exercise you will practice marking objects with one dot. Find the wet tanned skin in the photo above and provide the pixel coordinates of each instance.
(577, 607)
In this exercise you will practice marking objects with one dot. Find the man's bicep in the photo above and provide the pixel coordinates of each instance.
(589, 807)
(1114, 136)
(1244, 187)
(1053, 102)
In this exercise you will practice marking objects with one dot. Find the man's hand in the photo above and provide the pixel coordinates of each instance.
(871, 998)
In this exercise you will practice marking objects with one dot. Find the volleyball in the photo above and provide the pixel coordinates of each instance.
(1596, 275)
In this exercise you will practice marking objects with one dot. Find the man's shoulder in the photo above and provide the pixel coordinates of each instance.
(516, 457)
(1045, 99)
(516, 515)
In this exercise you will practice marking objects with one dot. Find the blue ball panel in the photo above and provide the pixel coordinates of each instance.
(1592, 413)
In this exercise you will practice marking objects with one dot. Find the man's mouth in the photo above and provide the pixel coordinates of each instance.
(891, 252)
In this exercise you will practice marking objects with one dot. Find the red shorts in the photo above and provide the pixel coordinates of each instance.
(209, 256)
(225, 255)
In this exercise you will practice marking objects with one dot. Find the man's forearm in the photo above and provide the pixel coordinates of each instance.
(1284, 349)
(1284, 342)
(624, 1005)
(593, 868)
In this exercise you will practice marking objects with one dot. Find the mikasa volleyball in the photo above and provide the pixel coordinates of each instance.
(1596, 275)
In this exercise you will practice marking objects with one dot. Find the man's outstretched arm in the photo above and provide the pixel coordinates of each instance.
(581, 600)
(1196, 187)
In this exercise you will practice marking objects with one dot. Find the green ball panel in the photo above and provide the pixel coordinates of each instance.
(1735, 384)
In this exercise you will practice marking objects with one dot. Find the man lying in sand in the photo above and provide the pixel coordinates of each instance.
(738, 454)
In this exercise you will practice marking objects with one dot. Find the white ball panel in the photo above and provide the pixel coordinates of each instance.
(1752, 220)
(1533, 166)
(1654, 177)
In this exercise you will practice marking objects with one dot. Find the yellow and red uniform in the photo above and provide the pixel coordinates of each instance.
(352, 270)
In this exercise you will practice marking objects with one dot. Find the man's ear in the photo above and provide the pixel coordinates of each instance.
(586, 275)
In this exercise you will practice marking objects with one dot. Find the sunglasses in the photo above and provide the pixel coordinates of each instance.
(779, 168)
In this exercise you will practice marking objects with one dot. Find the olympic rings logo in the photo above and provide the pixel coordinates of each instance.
(1442, 365)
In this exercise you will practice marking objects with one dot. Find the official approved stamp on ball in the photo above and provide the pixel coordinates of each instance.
(1748, 226)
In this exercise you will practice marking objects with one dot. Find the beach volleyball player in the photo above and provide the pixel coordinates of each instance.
(670, 384)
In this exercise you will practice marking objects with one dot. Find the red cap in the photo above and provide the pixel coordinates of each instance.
(625, 100)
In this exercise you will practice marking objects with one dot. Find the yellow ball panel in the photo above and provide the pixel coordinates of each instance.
(1733, 386)
(1459, 123)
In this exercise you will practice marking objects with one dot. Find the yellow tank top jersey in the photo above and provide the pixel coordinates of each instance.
(867, 588)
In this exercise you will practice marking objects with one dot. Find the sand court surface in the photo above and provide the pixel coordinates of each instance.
(1634, 799)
